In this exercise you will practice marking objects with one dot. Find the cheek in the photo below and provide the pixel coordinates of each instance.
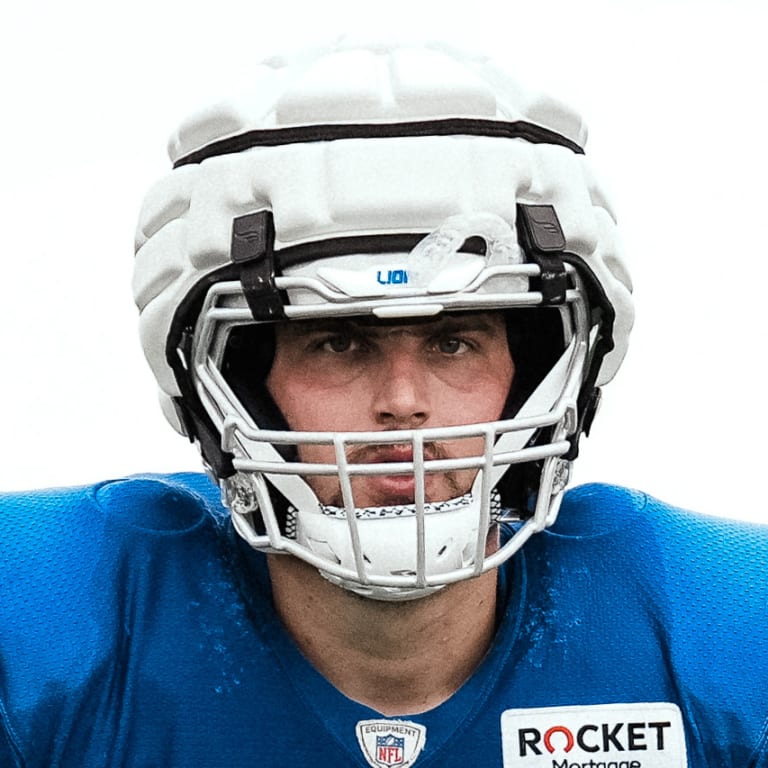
(308, 407)
(484, 398)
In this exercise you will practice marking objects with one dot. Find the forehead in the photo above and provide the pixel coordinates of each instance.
(490, 323)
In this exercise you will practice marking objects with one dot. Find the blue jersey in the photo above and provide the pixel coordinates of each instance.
(137, 630)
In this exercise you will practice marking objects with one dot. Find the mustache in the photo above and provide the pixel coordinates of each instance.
(393, 452)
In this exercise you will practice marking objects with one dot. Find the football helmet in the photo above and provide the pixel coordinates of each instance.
(388, 184)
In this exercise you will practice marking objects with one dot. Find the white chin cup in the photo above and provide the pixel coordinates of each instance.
(389, 543)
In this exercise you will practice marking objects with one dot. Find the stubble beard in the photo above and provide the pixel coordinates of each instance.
(440, 486)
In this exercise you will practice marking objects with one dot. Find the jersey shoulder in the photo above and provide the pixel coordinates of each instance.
(147, 501)
(56, 543)
(104, 570)
(696, 581)
(596, 509)
(681, 554)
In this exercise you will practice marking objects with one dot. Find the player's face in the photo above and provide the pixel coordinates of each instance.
(343, 375)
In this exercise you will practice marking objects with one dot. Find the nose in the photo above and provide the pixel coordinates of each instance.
(401, 390)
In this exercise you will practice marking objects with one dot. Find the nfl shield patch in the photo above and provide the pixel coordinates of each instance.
(391, 743)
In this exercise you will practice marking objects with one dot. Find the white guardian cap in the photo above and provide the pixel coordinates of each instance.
(389, 184)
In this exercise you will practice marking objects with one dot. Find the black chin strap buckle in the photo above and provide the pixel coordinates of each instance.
(253, 241)
(543, 241)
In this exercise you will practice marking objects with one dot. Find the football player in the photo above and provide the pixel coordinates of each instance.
(381, 293)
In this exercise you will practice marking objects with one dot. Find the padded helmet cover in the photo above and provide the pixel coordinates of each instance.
(375, 181)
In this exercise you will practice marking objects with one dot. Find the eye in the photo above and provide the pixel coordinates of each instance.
(451, 345)
(339, 343)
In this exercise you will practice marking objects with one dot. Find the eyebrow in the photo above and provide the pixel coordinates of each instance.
(476, 322)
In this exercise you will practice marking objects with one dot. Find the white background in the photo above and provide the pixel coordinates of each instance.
(674, 92)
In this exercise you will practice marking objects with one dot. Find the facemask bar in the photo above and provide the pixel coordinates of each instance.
(504, 442)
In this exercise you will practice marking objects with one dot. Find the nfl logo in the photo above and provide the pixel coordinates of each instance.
(390, 750)
(391, 743)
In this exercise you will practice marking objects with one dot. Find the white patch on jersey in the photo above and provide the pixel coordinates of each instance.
(391, 743)
(646, 735)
